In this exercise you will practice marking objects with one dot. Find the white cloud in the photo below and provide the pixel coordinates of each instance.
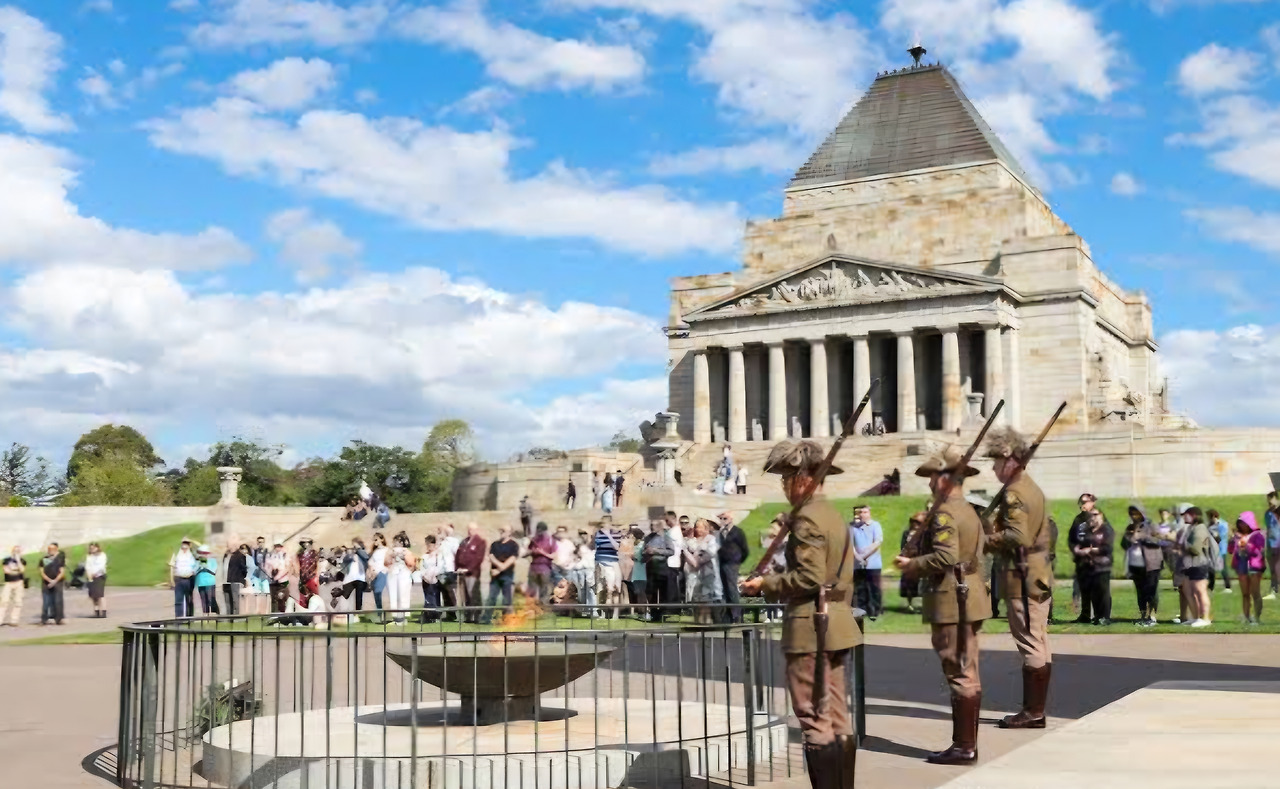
(1225, 378)
(1218, 69)
(366, 96)
(481, 101)
(1240, 225)
(418, 346)
(1243, 133)
(766, 155)
(243, 23)
(441, 178)
(30, 56)
(184, 5)
(289, 83)
(40, 226)
(1125, 185)
(521, 57)
(98, 6)
(98, 88)
(311, 246)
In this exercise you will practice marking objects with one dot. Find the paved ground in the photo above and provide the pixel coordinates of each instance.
(123, 605)
(59, 702)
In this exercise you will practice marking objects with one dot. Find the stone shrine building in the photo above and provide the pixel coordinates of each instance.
(912, 248)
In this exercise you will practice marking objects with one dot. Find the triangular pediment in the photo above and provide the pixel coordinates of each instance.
(836, 279)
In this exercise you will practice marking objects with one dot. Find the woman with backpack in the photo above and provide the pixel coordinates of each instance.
(1196, 552)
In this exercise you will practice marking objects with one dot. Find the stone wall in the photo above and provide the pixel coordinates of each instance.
(500, 486)
(34, 527)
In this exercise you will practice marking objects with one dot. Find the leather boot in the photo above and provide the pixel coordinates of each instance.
(831, 766)
(848, 759)
(1035, 689)
(964, 733)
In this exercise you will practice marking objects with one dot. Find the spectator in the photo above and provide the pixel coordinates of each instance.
(1248, 556)
(1195, 546)
(583, 574)
(376, 571)
(381, 513)
(279, 571)
(741, 481)
(909, 583)
(1095, 550)
(1144, 558)
(306, 609)
(732, 553)
(656, 550)
(526, 516)
(356, 510)
(261, 581)
(639, 572)
(182, 575)
(607, 494)
(502, 571)
(354, 564)
(617, 489)
(564, 598)
(1079, 526)
(1221, 533)
(53, 576)
(867, 537)
(571, 495)
(1272, 519)
(430, 568)
(207, 580)
(608, 573)
(15, 588)
(564, 556)
(1171, 535)
(467, 562)
(542, 549)
(236, 561)
(447, 545)
(679, 535)
(400, 565)
(702, 572)
(95, 575)
(597, 487)
(308, 566)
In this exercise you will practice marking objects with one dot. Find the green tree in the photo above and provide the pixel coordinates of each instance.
(263, 483)
(115, 480)
(22, 474)
(450, 445)
(105, 441)
(621, 442)
(196, 485)
(399, 476)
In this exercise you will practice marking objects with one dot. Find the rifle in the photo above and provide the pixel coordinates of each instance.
(818, 477)
(1022, 565)
(944, 490)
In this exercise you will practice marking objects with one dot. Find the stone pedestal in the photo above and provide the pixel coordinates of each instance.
(222, 516)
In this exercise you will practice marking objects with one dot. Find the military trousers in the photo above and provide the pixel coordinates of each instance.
(959, 661)
(1032, 642)
(820, 727)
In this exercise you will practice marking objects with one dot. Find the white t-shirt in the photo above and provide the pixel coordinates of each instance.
(354, 571)
(564, 553)
(448, 550)
(95, 564)
(183, 564)
(742, 476)
(377, 561)
(676, 559)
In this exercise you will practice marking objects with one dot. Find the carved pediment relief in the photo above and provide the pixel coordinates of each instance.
(839, 280)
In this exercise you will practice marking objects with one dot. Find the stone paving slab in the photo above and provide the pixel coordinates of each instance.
(1170, 734)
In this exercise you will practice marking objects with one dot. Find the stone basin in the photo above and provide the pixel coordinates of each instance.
(500, 678)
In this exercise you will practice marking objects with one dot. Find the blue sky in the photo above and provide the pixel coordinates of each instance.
(310, 221)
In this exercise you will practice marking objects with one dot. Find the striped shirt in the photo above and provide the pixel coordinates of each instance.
(607, 551)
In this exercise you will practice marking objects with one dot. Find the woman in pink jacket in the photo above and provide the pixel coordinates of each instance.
(1248, 558)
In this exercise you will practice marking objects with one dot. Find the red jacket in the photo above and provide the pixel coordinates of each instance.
(471, 555)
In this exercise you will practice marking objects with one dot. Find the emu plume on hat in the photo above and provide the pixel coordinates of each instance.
(793, 456)
(1005, 442)
(944, 462)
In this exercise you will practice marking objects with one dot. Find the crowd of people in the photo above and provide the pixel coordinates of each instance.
(52, 578)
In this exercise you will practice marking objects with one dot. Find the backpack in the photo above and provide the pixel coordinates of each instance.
(1215, 556)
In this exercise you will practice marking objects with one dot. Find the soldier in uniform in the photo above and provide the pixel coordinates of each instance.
(1022, 534)
(950, 555)
(819, 553)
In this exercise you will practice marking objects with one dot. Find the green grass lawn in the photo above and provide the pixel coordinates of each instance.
(893, 513)
(140, 560)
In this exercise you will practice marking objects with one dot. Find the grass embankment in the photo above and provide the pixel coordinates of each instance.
(892, 512)
(140, 560)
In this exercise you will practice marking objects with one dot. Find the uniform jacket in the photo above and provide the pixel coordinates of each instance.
(954, 538)
(1022, 520)
(817, 543)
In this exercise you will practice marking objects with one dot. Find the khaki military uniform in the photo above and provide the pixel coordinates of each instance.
(1022, 522)
(819, 552)
(954, 539)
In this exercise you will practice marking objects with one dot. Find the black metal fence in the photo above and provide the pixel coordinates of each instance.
(551, 701)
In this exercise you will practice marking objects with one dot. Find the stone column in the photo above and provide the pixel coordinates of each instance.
(1013, 395)
(229, 484)
(861, 378)
(994, 385)
(737, 396)
(777, 392)
(952, 399)
(907, 382)
(819, 409)
(701, 398)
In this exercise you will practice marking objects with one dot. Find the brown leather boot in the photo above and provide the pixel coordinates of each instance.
(832, 766)
(1035, 690)
(964, 733)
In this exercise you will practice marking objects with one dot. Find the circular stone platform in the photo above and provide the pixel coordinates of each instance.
(592, 743)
